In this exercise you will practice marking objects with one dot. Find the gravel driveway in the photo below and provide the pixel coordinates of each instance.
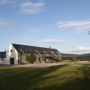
(43, 65)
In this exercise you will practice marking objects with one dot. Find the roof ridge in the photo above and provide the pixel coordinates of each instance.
(34, 49)
(34, 46)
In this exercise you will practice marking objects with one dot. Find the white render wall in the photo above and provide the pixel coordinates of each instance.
(13, 54)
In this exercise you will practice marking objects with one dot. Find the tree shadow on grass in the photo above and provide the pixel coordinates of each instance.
(85, 69)
(77, 83)
(32, 78)
(24, 78)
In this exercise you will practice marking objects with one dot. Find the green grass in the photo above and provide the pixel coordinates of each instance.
(65, 77)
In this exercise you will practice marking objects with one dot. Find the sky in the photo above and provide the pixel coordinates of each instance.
(60, 24)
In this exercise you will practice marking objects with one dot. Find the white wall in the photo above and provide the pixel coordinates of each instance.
(13, 54)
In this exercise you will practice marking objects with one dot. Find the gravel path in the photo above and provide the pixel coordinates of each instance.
(43, 65)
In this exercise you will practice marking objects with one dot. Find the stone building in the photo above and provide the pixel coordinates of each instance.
(17, 53)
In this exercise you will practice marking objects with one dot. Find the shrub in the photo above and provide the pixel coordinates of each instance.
(31, 58)
(57, 58)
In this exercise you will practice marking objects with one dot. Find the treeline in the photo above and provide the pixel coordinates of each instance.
(84, 58)
(79, 58)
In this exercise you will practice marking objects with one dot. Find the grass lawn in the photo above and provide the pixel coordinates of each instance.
(65, 77)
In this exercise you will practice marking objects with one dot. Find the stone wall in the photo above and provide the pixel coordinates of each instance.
(40, 58)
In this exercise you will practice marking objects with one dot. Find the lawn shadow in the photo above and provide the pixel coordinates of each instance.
(80, 82)
(24, 78)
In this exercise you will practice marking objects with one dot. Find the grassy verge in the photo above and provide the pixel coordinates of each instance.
(64, 77)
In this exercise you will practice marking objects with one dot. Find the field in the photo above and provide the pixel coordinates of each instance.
(63, 77)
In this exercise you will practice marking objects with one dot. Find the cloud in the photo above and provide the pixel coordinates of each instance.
(5, 23)
(79, 26)
(80, 49)
(4, 2)
(31, 8)
(25, 38)
(1, 18)
(53, 41)
(34, 31)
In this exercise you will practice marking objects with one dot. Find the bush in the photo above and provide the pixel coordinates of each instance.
(31, 58)
(57, 58)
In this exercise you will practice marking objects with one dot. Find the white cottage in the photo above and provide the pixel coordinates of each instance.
(9, 57)
(12, 55)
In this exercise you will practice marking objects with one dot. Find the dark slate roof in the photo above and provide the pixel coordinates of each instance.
(36, 50)
(2, 54)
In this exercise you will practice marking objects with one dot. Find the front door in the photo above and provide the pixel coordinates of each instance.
(12, 61)
(39, 60)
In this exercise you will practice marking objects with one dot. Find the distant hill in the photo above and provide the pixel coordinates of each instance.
(63, 54)
(87, 54)
(78, 56)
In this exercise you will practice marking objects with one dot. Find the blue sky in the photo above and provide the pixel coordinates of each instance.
(61, 24)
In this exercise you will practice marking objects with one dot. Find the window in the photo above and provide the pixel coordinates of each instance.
(11, 50)
(52, 52)
(22, 51)
(1, 59)
(45, 52)
(37, 51)
(57, 52)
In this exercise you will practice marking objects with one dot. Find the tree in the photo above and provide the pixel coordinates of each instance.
(31, 58)
(74, 58)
